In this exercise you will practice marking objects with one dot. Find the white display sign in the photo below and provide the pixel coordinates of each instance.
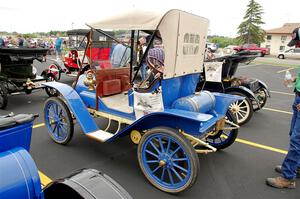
(145, 103)
(213, 71)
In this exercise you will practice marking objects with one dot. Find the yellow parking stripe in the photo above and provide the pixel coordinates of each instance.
(38, 125)
(283, 93)
(261, 146)
(277, 110)
(45, 180)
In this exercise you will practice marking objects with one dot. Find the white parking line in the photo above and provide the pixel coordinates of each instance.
(277, 110)
(283, 93)
(247, 66)
(282, 71)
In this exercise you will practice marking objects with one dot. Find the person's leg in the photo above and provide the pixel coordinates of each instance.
(143, 71)
(56, 53)
(294, 107)
(292, 159)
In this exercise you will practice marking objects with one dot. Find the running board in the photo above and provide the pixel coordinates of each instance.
(100, 135)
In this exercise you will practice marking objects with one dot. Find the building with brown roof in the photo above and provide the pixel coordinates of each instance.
(277, 39)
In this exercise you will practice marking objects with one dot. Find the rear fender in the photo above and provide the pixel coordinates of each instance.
(242, 89)
(264, 86)
(247, 92)
(162, 119)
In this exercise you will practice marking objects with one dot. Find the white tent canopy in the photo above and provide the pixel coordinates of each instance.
(183, 36)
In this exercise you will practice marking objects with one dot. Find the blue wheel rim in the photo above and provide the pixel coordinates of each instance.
(166, 161)
(55, 119)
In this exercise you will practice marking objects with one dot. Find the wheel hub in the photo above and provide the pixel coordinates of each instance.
(235, 108)
(165, 160)
(162, 163)
(57, 119)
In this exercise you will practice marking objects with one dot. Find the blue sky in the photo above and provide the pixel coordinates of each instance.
(224, 15)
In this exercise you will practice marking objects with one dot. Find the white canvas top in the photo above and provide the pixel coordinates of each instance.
(132, 20)
(183, 35)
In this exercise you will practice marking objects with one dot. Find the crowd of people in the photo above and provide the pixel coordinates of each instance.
(21, 41)
(54, 44)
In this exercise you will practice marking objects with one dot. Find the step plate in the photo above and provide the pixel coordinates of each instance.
(100, 135)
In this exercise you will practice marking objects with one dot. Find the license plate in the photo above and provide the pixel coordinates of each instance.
(39, 84)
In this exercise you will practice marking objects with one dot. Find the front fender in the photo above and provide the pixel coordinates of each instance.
(76, 105)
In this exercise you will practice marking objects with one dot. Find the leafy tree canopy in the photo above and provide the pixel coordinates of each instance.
(250, 30)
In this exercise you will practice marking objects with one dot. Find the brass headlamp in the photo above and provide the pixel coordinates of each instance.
(89, 80)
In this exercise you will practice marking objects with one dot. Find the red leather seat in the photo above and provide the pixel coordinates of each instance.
(112, 81)
(111, 87)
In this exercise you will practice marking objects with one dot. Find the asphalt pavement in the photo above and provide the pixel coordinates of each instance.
(238, 172)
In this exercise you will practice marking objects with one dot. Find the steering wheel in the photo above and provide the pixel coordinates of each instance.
(155, 64)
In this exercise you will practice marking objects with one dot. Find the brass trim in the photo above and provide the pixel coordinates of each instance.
(195, 142)
(135, 136)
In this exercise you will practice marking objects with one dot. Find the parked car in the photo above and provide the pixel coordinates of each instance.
(211, 46)
(253, 48)
(254, 90)
(170, 123)
(291, 53)
(73, 59)
(229, 49)
(18, 73)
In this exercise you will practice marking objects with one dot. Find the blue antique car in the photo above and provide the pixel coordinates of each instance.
(162, 114)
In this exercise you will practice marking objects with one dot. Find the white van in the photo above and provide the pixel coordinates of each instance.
(291, 53)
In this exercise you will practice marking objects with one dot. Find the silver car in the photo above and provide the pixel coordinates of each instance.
(291, 53)
(212, 47)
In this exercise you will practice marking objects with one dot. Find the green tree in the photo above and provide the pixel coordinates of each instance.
(223, 41)
(249, 30)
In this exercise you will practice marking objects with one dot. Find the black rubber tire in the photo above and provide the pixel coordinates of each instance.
(231, 139)
(69, 119)
(3, 96)
(51, 92)
(248, 101)
(281, 56)
(189, 149)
